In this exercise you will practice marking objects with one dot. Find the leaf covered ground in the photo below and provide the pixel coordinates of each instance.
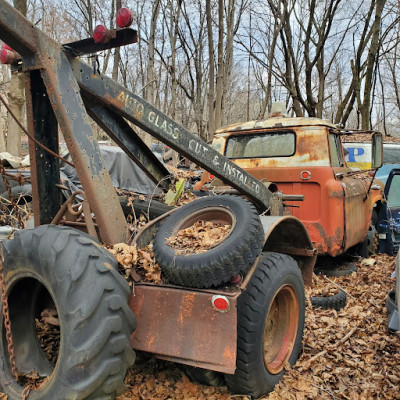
(346, 355)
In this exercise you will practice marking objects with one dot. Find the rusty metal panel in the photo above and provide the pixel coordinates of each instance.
(287, 235)
(148, 118)
(120, 131)
(355, 208)
(45, 169)
(182, 325)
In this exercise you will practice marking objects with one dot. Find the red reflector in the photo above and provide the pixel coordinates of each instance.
(6, 46)
(124, 17)
(7, 56)
(220, 303)
(211, 176)
(305, 175)
(100, 34)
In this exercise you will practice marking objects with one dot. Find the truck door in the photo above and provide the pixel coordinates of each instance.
(354, 191)
(389, 216)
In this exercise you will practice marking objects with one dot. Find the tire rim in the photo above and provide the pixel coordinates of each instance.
(216, 215)
(280, 329)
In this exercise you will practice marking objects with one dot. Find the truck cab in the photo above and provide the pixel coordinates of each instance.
(304, 156)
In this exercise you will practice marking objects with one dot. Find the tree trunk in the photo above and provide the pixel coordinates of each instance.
(16, 100)
(150, 75)
(371, 63)
(3, 112)
(117, 50)
(211, 78)
(271, 55)
(220, 66)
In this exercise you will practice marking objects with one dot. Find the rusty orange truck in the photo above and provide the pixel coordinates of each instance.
(304, 156)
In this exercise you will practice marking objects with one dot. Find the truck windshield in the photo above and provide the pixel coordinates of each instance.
(261, 145)
(393, 199)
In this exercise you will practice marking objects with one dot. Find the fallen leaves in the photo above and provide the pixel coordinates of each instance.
(349, 354)
(198, 238)
(137, 263)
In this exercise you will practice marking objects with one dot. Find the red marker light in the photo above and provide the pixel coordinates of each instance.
(124, 17)
(305, 175)
(211, 176)
(101, 34)
(221, 303)
(7, 56)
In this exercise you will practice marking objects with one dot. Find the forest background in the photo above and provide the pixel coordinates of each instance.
(208, 63)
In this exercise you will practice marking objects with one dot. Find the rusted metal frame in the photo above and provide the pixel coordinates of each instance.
(120, 131)
(91, 228)
(148, 118)
(121, 37)
(70, 215)
(81, 142)
(45, 171)
(67, 207)
(68, 107)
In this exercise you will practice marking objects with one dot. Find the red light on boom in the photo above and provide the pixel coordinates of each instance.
(7, 56)
(101, 34)
(124, 17)
(6, 46)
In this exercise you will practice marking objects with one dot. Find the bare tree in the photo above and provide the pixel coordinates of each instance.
(16, 100)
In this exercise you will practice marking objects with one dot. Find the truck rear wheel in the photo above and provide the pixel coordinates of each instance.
(66, 270)
(271, 314)
(234, 255)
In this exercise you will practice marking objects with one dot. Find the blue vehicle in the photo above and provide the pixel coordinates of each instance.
(388, 218)
(383, 172)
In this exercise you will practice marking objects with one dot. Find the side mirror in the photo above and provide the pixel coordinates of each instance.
(377, 150)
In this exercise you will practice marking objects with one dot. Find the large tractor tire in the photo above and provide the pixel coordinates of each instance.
(66, 270)
(234, 255)
(271, 313)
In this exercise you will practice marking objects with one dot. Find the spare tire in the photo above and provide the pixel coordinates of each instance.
(234, 255)
(335, 302)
